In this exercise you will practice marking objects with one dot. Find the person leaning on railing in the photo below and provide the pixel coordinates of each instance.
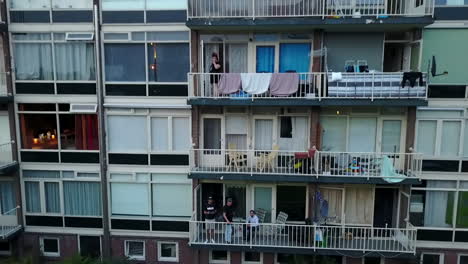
(252, 225)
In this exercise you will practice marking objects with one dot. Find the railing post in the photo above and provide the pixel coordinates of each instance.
(253, 9)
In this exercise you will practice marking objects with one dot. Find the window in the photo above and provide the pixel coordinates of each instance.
(127, 134)
(428, 258)
(293, 133)
(252, 257)
(82, 198)
(90, 246)
(168, 251)
(166, 5)
(359, 205)
(170, 134)
(129, 199)
(291, 200)
(66, 4)
(140, 4)
(168, 62)
(30, 4)
(238, 195)
(218, 256)
(7, 198)
(462, 259)
(451, 2)
(125, 62)
(295, 57)
(75, 61)
(135, 250)
(334, 133)
(172, 199)
(38, 131)
(50, 247)
(56, 4)
(5, 248)
(79, 132)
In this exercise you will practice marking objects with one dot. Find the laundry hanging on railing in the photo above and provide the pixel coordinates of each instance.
(284, 84)
(229, 83)
(255, 83)
(388, 171)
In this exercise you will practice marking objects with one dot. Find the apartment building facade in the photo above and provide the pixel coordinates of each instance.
(334, 120)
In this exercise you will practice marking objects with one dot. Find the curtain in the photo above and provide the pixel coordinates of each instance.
(359, 205)
(33, 199)
(162, 65)
(427, 131)
(33, 61)
(263, 134)
(123, 4)
(181, 133)
(362, 134)
(129, 199)
(334, 197)
(7, 197)
(166, 5)
(236, 131)
(237, 58)
(86, 132)
(265, 59)
(82, 198)
(296, 127)
(334, 133)
(438, 209)
(159, 134)
(172, 200)
(209, 50)
(29, 4)
(391, 135)
(125, 62)
(75, 61)
(211, 133)
(295, 57)
(52, 197)
(450, 138)
(462, 211)
(85, 4)
(127, 134)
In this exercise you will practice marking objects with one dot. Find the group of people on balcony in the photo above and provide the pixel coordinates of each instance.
(210, 212)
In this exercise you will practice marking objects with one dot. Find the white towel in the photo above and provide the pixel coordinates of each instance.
(336, 76)
(255, 83)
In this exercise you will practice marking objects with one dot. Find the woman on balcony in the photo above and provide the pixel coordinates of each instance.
(215, 71)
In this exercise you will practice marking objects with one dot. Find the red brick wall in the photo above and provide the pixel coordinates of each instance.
(31, 247)
(268, 258)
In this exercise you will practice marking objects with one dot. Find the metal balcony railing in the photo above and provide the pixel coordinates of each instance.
(308, 8)
(9, 223)
(312, 86)
(392, 167)
(313, 237)
(6, 154)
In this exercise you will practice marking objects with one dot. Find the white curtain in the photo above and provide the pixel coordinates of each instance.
(450, 138)
(82, 198)
(75, 61)
(362, 134)
(263, 134)
(129, 199)
(427, 131)
(7, 197)
(72, 4)
(33, 198)
(299, 140)
(127, 134)
(29, 4)
(159, 134)
(236, 131)
(181, 133)
(333, 133)
(172, 199)
(334, 197)
(123, 4)
(52, 197)
(359, 205)
(33, 61)
(237, 58)
(436, 204)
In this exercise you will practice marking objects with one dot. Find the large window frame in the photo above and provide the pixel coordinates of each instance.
(143, 38)
(53, 40)
(168, 259)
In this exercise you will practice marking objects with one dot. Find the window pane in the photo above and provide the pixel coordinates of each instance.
(430, 259)
(38, 131)
(236, 58)
(127, 134)
(464, 259)
(30, 4)
(79, 132)
(252, 256)
(33, 198)
(159, 134)
(168, 62)
(168, 250)
(263, 134)
(462, 212)
(82, 198)
(333, 133)
(362, 134)
(294, 57)
(166, 5)
(75, 61)
(291, 200)
(134, 248)
(181, 134)
(168, 35)
(426, 137)
(51, 245)
(219, 255)
(88, 4)
(52, 197)
(125, 62)
(7, 198)
(172, 199)
(391, 136)
(123, 4)
(450, 138)
(33, 61)
(212, 133)
(465, 142)
(432, 208)
(129, 199)
(38, 174)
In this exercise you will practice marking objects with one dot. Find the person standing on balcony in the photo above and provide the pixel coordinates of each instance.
(252, 225)
(215, 70)
(228, 213)
(210, 219)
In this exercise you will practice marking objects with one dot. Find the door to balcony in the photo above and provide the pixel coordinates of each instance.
(263, 200)
(385, 207)
(212, 155)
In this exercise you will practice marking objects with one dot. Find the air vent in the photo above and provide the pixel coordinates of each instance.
(83, 108)
(79, 36)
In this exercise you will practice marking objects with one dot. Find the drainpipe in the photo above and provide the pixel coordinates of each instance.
(106, 245)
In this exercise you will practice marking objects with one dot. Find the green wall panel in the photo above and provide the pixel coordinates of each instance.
(450, 47)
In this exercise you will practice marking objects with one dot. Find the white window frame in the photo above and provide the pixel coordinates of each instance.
(168, 259)
(252, 262)
(460, 256)
(216, 261)
(49, 254)
(441, 256)
(133, 257)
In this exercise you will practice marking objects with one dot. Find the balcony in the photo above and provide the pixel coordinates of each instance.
(311, 166)
(8, 165)
(9, 226)
(4, 95)
(307, 12)
(306, 89)
(308, 239)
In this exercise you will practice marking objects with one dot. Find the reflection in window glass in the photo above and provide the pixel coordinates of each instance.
(180, 134)
(30, 4)
(168, 62)
(38, 131)
(127, 134)
(125, 62)
(84, 4)
(427, 131)
(33, 61)
(450, 138)
(123, 4)
(166, 5)
(75, 61)
(129, 199)
(159, 134)
(79, 132)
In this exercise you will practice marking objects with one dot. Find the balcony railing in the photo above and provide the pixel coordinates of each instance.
(6, 154)
(308, 8)
(392, 167)
(3, 83)
(313, 237)
(9, 223)
(311, 86)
